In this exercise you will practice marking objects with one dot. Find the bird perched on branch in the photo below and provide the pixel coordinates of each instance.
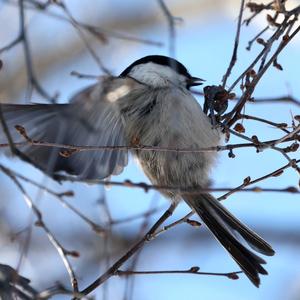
(150, 104)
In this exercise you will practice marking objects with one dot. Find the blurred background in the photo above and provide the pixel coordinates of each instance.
(128, 30)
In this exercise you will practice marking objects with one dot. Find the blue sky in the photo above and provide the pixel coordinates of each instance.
(205, 48)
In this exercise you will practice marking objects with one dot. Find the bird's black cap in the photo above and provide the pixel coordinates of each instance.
(160, 60)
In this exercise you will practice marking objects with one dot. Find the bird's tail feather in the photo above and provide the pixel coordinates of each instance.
(225, 228)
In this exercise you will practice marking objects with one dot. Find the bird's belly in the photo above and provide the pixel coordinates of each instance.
(174, 121)
(174, 167)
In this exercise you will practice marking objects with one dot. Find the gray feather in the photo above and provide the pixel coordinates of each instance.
(177, 121)
(155, 109)
(90, 120)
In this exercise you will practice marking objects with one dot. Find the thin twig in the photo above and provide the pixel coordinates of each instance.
(250, 43)
(191, 190)
(128, 293)
(248, 181)
(171, 22)
(271, 40)
(98, 32)
(287, 136)
(257, 8)
(81, 34)
(73, 149)
(192, 270)
(175, 223)
(281, 126)
(12, 44)
(282, 99)
(136, 216)
(112, 270)
(236, 45)
(250, 89)
(33, 82)
(40, 222)
(60, 197)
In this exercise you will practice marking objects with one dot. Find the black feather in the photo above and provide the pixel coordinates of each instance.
(224, 225)
(160, 60)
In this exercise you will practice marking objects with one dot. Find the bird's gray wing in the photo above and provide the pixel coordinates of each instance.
(91, 119)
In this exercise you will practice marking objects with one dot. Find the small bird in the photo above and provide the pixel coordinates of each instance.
(149, 103)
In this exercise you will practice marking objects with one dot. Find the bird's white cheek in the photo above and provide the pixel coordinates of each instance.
(118, 93)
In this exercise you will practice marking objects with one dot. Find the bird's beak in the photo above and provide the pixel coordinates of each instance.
(193, 81)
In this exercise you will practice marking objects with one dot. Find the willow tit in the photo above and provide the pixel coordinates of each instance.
(149, 103)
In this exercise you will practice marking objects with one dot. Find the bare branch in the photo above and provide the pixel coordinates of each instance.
(114, 268)
(248, 181)
(192, 270)
(33, 82)
(191, 190)
(282, 99)
(40, 223)
(246, 96)
(72, 149)
(60, 197)
(171, 22)
(250, 43)
(236, 45)
(61, 4)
